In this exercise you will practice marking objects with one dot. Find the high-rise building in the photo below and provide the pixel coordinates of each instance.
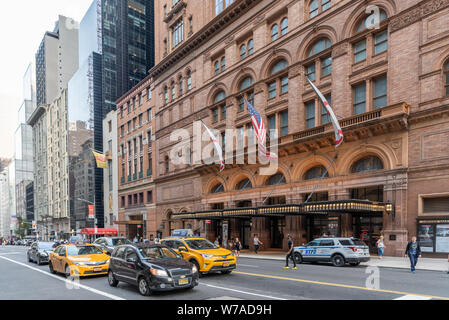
(5, 216)
(116, 52)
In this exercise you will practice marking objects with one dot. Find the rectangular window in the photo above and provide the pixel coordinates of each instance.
(177, 33)
(223, 141)
(241, 136)
(325, 119)
(110, 175)
(272, 122)
(381, 42)
(360, 51)
(284, 123)
(218, 6)
(310, 114)
(140, 119)
(148, 93)
(326, 66)
(313, 9)
(223, 113)
(149, 115)
(241, 104)
(325, 4)
(215, 115)
(380, 92)
(310, 72)
(272, 90)
(284, 85)
(150, 197)
(359, 99)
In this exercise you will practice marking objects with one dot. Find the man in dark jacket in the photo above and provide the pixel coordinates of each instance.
(413, 251)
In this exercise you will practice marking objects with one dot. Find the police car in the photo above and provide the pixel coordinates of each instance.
(339, 251)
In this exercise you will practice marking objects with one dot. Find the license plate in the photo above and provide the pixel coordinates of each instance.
(97, 269)
(183, 282)
(225, 265)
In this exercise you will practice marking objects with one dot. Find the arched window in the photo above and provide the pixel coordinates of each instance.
(244, 185)
(219, 96)
(218, 188)
(173, 91)
(217, 67)
(250, 47)
(446, 78)
(181, 87)
(276, 179)
(243, 52)
(274, 32)
(223, 64)
(167, 164)
(370, 20)
(246, 83)
(284, 26)
(318, 6)
(279, 66)
(189, 80)
(319, 46)
(316, 173)
(370, 163)
(165, 95)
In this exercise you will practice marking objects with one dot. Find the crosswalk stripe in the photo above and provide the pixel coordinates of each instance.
(413, 297)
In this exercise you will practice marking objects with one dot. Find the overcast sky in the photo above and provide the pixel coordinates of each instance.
(22, 27)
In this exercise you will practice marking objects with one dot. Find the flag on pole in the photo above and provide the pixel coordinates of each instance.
(261, 133)
(101, 160)
(217, 147)
(338, 132)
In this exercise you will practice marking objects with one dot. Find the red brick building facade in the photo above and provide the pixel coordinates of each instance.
(388, 83)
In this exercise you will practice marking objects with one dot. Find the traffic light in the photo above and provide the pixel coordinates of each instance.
(22, 224)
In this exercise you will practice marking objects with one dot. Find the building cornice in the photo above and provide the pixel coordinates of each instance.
(35, 116)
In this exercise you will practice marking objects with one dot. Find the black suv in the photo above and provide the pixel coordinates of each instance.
(109, 243)
(151, 268)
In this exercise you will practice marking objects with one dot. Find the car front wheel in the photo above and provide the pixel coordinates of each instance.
(29, 259)
(338, 260)
(354, 264)
(226, 272)
(144, 288)
(50, 265)
(67, 271)
(112, 280)
(298, 258)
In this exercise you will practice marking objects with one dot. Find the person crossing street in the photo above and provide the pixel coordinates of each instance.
(413, 251)
(290, 254)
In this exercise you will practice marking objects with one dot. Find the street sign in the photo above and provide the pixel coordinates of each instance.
(91, 211)
(208, 221)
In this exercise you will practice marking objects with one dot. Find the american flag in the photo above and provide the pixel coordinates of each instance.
(261, 133)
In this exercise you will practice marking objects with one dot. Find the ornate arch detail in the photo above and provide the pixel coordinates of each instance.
(382, 152)
(168, 214)
(220, 86)
(316, 34)
(310, 162)
(184, 210)
(273, 58)
(207, 188)
(245, 72)
(186, 71)
(239, 176)
(442, 59)
(282, 168)
(388, 6)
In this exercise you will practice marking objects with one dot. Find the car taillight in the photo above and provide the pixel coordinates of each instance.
(354, 249)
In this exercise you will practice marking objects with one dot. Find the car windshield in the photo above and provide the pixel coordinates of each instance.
(358, 242)
(201, 244)
(158, 253)
(46, 246)
(120, 241)
(83, 250)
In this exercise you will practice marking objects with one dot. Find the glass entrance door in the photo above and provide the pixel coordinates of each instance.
(368, 229)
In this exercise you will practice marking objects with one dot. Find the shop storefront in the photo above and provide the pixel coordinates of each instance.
(433, 235)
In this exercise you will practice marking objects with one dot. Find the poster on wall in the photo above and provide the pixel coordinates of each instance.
(442, 239)
(425, 237)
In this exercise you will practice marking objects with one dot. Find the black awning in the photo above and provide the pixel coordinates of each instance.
(310, 209)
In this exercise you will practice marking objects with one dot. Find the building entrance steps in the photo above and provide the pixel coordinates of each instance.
(432, 264)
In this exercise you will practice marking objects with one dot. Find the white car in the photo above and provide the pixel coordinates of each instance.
(339, 251)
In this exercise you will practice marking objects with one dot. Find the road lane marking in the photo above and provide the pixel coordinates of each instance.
(412, 297)
(246, 265)
(244, 292)
(8, 253)
(82, 286)
(340, 285)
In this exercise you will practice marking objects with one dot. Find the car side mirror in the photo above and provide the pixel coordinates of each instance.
(183, 249)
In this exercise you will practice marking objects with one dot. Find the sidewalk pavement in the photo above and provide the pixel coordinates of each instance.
(431, 264)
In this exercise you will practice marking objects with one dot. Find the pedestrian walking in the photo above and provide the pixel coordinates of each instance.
(380, 246)
(257, 244)
(413, 251)
(290, 253)
(237, 247)
(220, 241)
(135, 240)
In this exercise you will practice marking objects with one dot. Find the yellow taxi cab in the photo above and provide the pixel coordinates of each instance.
(206, 256)
(79, 260)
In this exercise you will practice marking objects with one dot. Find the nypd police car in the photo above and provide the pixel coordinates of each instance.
(339, 251)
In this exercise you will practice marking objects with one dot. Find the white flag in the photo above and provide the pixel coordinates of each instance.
(217, 147)
(338, 132)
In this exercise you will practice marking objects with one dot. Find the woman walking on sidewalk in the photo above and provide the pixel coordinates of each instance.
(237, 247)
(381, 246)
(413, 251)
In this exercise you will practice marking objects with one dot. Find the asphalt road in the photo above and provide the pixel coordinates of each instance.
(253, 280)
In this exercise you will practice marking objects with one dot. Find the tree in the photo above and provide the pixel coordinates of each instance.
(22, 227)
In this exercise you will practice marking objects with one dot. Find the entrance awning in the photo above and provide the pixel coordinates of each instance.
(100, 231)
(316, 208)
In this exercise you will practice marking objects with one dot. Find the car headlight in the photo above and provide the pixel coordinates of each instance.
(233, 254)
(160, 273)
(207, 256)
(194, 269)
(43, 254)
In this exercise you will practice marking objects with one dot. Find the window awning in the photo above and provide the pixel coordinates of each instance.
(316, 208)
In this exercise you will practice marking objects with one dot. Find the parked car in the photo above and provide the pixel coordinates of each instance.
(40, 252)
(207, 257)
(151, 268)
(79, 260)
(339, 251)
(110, 243)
